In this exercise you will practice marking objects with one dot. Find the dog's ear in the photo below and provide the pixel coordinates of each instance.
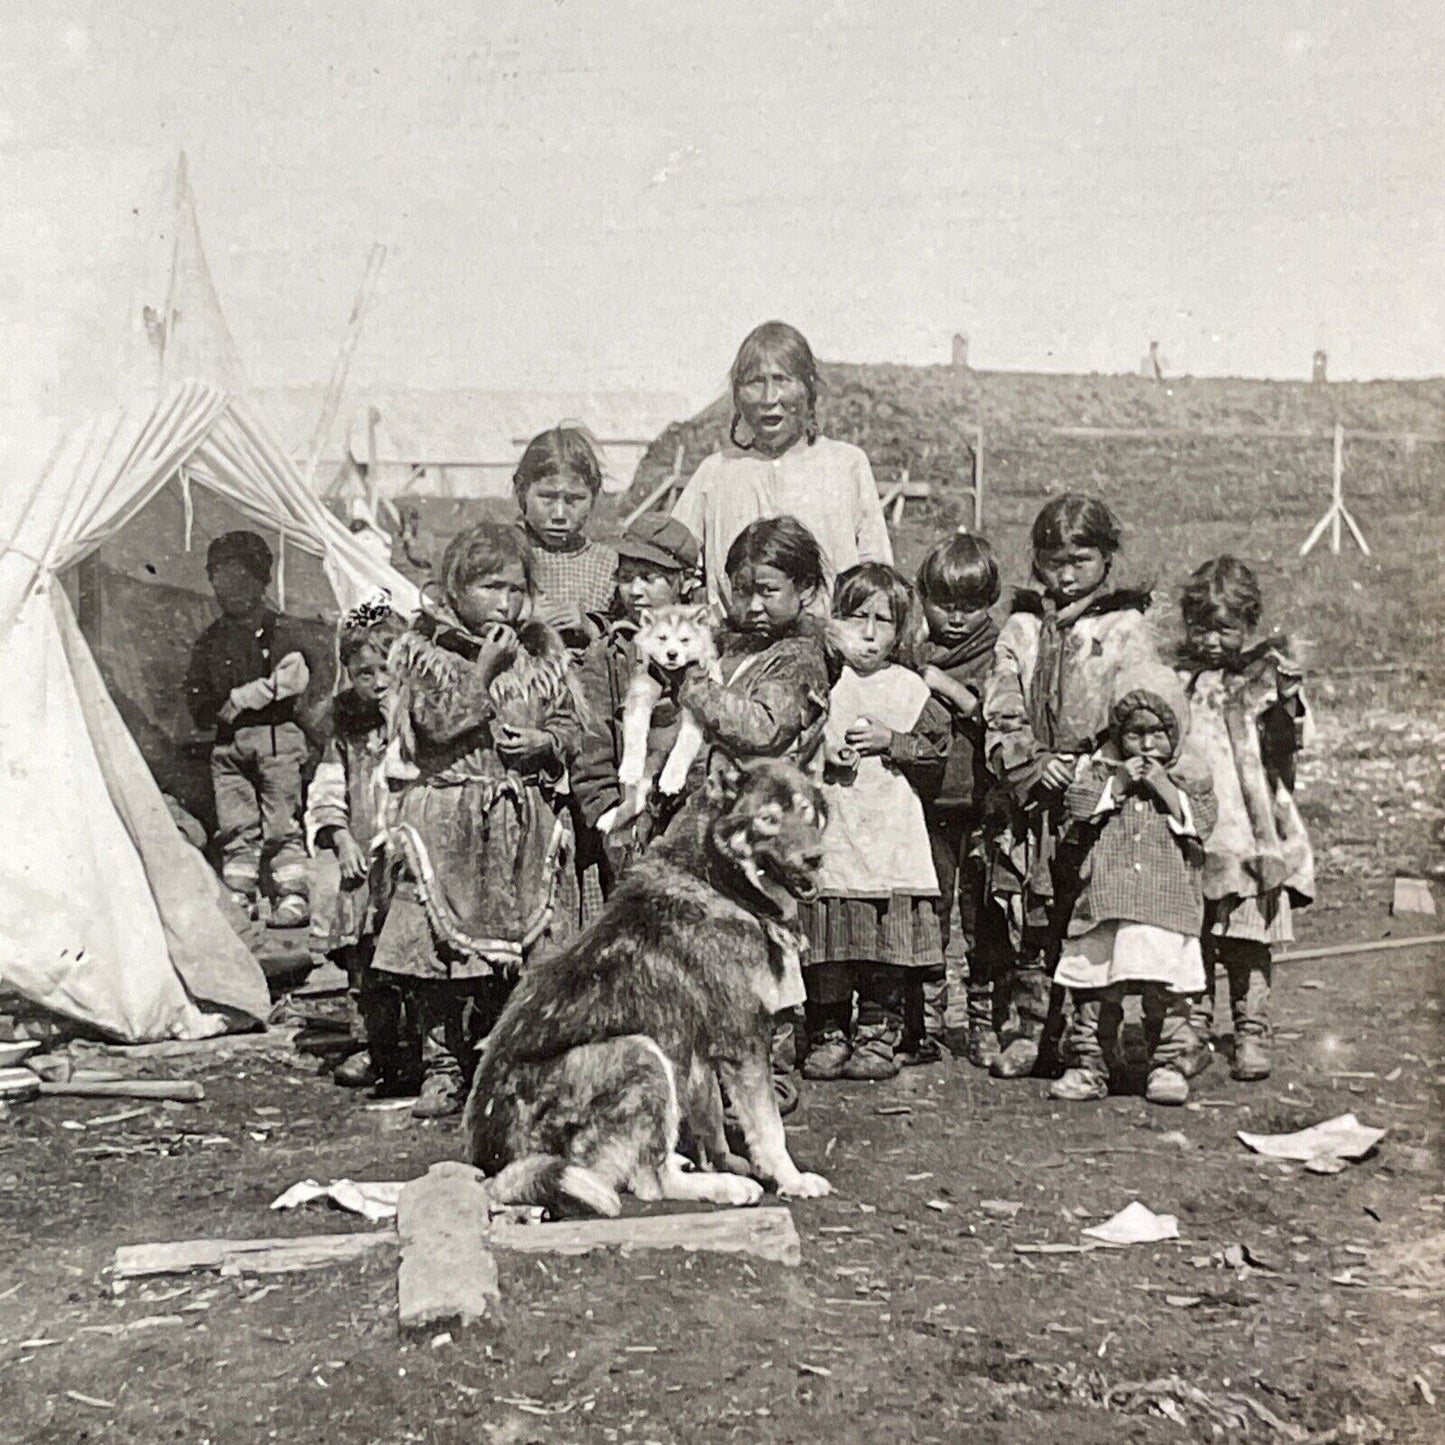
(724, 780)
(700, 613)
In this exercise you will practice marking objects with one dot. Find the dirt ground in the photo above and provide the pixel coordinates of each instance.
(1294, 1307)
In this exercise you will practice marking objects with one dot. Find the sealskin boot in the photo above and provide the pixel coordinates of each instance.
(1079, 1086)
(1166, 1085)
(828, 1054)
(875, 1052)
(1251, 1058)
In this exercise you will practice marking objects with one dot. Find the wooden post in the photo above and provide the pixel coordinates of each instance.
(1338, 513)
(1338, 489)
(661, 491)
(373, 474)
(978, 478)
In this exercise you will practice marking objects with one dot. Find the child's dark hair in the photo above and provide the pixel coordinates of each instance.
(870, 579)
(788, 345)
(960, 570)
(371, 627)
(479, 552)
(565, 450)
(247, 550)
(784, 543)
(1222, 589)
(1074, 520)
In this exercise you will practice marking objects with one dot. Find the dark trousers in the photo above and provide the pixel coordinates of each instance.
(379, 1019)
(883, 991)
(955, 837)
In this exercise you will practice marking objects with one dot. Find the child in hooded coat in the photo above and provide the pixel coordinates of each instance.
(1139, 809)
(1045, 705)
(1250, 722)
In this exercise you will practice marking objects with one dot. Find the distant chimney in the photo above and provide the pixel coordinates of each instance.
(1321, 365)
(960, 351)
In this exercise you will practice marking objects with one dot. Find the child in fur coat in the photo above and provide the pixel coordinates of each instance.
(1046, 704)
(1138, 810)
(482, 722)
(1250, 721)
(346, 808)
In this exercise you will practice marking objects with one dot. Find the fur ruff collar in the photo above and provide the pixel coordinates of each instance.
(1032, 602)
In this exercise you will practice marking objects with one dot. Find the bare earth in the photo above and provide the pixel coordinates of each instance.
(912, 1317)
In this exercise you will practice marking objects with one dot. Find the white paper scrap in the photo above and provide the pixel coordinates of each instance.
(1135, 1224)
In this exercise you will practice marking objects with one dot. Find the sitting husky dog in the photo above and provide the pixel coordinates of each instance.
(607, 1049)
(668, 638)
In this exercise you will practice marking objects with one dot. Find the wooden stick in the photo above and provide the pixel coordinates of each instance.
(185, 1091)
(767, 1233)
(1344, 950)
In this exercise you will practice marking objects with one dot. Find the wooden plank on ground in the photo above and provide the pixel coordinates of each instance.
(245, 1256)
(1412, 895)
(447, 1274)
(767, 1233)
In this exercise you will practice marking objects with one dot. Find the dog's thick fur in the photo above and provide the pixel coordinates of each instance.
(668, 638)
(606, 1050)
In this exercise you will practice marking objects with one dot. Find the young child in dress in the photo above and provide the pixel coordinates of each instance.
(958, 585)
(481, 725)
(247, 674)
(777, 464)
(346, 815)
(773, 697)
(1139, 808)
(874, 929)
(556, 485)
(1046, 704)
(1250, 721)
(658, 557)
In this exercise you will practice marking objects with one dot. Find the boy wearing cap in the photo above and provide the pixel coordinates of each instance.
(247, 671)
(657, 562)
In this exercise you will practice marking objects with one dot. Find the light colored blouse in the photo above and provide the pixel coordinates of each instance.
(827, 486)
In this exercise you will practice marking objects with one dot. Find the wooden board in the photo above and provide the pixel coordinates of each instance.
(245, 1256)
(766, 1233)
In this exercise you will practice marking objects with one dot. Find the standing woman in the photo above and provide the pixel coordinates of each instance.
(776, 464)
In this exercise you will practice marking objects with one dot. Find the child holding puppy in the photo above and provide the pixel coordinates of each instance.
(657, 557)
(1250, 721)
(874, 929)
(346, 815)
(482, 722)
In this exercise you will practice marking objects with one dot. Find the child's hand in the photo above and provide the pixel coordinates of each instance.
(349, 857)
(524, 750)
(1057, 775)
(840, 765)
(498, 648)
(868, 737)
(564, 616)
(229, 712)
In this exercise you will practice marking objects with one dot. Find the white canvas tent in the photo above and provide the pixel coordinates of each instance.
(107, 915)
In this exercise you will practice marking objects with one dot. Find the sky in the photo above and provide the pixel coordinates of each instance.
(601, 194)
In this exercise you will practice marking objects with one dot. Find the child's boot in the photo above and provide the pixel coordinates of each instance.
(1031, 994)
(1168, 1038)
(1088, 1078)
(875, 1048)
(923, 1022)
(1249, 967)
(828, 1055)
(356, 1071)
(1166, 1085)
(983, 1046)
(1080, 1085)
(441, 1090)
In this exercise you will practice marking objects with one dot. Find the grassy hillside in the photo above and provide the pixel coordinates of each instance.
(1184, 494)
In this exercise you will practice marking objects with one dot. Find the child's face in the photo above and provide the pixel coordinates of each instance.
(1215, 639)
(498, 596)
(644, 584)
(1145, 736)
(765, 599)
(238, 590)
(556, 508)
(950, 622)
(367, 671)
(773, 403)
(1071, 572)
(867, 635)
